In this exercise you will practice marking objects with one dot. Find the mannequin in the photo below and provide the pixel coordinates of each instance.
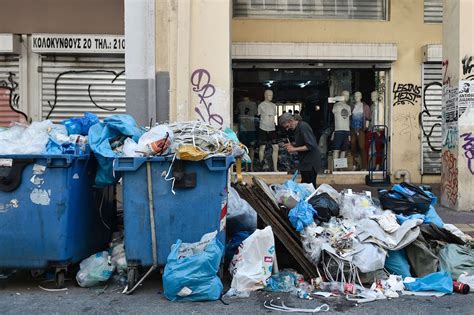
(359, 123)
(374, 134)
(267, 132)
(341, 135)
(247, 110)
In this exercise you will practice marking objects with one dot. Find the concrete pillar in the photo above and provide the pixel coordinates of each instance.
(457, 177)
(140, 60)
(193, 49)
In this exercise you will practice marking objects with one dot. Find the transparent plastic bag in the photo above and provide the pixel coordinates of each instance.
(20, 139)
(357, 206)
(95, 269)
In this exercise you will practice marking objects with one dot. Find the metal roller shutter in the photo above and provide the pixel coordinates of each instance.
(9, 88)
(433, 11)
(318, 9)
(431, 118)
(72, 85)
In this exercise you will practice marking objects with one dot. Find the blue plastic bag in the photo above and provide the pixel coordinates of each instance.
(431, 216)
(193, 277)
(437, 281)
(396, 263)
(80, 126)
(302, 192)
(99, 136)
(301, 215)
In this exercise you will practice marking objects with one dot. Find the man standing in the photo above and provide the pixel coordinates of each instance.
(305, 145)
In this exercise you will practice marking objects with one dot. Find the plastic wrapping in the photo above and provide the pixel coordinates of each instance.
(301, 215)
(20, 139)
(95, 269)
(357, 206)
(156, 141)
(240, 215)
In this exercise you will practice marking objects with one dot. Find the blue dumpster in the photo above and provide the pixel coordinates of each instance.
(198, 206)
(50, 214)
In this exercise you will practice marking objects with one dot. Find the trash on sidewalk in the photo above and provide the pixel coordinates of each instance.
(94, 270)
(362, 251)
(252, 265)
(191, 270)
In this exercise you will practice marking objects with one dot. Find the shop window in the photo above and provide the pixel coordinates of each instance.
(433, 11)
(320, 9)
(312, 95)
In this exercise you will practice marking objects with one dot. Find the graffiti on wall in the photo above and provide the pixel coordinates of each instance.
(205, 90)
(406, 124)
(467, 68)
(468, 147)
(450, 138)
(405, 93)
(446, 78)
(9, 96)
(428, 133)
(63, 75)
(449, 177)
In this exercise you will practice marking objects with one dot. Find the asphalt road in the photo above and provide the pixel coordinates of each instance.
(23, 296)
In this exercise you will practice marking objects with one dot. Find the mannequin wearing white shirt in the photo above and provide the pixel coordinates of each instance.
(267, 132)
(341, 135)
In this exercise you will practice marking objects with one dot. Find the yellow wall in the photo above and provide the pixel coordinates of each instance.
(404, 28)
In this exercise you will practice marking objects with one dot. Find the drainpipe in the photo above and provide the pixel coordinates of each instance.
(402, 174)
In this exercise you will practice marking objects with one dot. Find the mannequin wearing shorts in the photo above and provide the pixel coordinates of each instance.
(341, 135)
(267, 131)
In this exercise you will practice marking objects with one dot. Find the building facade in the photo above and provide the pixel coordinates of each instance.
(201, 59)
(61, 58)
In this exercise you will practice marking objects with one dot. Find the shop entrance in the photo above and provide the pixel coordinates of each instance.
(310, 93)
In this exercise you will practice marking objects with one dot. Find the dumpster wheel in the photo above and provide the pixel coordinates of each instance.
(59, 279)
(132, 277)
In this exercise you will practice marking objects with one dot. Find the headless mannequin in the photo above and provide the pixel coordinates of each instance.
(359, 123)
(341, 112)
(267, 112)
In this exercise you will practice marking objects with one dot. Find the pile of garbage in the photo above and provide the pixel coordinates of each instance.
(361, 247)
(120, 136)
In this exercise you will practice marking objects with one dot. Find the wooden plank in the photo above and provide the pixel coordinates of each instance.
(279, 230)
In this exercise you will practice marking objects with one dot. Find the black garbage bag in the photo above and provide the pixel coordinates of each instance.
(399, 203)
(325, 206)
(421, 199)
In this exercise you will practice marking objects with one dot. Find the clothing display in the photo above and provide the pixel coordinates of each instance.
(267, 136)
(267, 112)
(341, 140)
(342, 113)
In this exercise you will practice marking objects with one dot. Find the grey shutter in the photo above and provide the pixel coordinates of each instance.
(318, 9)
(73, 84)
(431, 118)
(9, 84)
(433, 11)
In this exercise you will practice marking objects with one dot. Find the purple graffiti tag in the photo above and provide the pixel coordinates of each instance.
(469, 150)
(201, 82)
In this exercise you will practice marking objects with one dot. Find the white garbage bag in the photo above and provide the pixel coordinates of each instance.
(253, 263)
(369, 257)
(156, 141)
